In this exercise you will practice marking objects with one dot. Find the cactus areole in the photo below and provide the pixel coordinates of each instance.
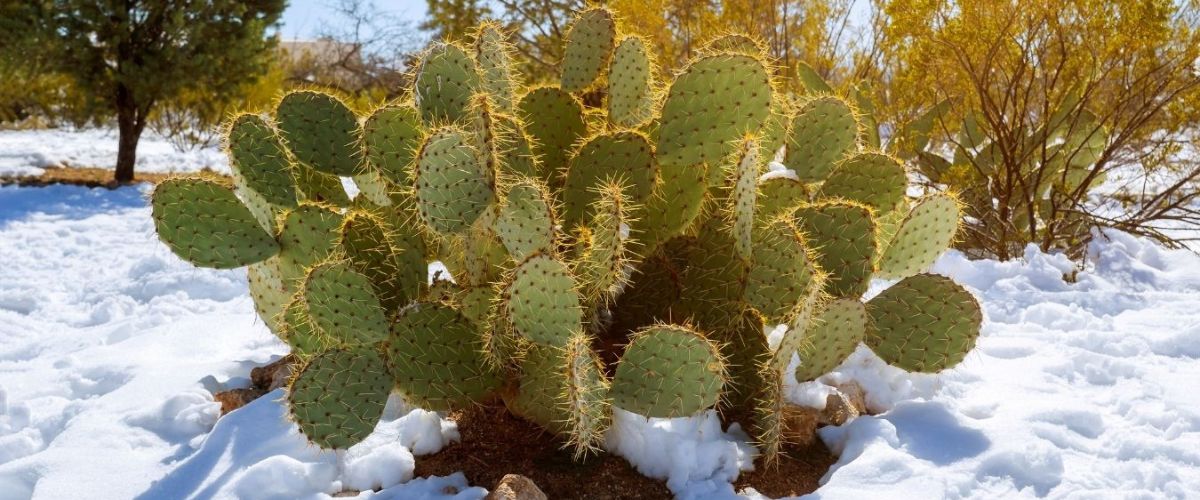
(629, 256)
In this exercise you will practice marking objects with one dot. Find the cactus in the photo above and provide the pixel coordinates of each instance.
(628, 259)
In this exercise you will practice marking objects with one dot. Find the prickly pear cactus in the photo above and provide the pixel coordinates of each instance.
(599, 258)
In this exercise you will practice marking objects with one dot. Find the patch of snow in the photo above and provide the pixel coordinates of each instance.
(28, 152)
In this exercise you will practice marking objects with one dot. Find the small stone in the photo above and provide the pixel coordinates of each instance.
(273, 375)
(855, 394)
(800, 424)
(236, 398)
(516, 487)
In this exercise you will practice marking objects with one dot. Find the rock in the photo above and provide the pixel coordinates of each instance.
(854, 393)
(838, 409)
(516, 487)
(236, 398)
(800, 424)
(273, 375)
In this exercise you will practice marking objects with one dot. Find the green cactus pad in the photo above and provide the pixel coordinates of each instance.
(673, 206)
(630, 98)
(868, 133)
(366, 244)
(812, 80)
(779, 195)
(204, 223)
(494, 57)
(601, 268)
(373, 190)
(299, 331)
(924, 323)
(745, 192)
(625, 156)
(453, 185)
(516, 156)
(773, 134)
(320, 131)
(542, 385)
(319, 187)
(526, 224)
(926, 232)
(769, 420)
(745, 348)
(668, 371)
(736, 43)
(714, 102)
(337, 397)
(843, 236)
(485, 259)
(268, 291)
(260, 162)
(711, 278)
(308, 235)
(831, 338)
(875, 180)
(343, 305)
(435, 353)
(782, 274)
(444, 84)
(541, 301)
(586, 397)
(554, 120)
(391, 136)
(588, 48)
(822, 133)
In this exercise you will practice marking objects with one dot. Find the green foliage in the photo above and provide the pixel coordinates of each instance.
(634, 268)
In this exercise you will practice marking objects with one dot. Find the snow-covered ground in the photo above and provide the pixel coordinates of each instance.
(110, 349)
(29, 152)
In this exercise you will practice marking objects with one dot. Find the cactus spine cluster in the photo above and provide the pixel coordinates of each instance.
(630, 256)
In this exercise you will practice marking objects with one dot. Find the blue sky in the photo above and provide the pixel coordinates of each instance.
(304, 18)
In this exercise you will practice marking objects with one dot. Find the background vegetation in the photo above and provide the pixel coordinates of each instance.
(1048, 118)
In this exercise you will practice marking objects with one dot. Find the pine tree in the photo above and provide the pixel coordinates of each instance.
(129, 55)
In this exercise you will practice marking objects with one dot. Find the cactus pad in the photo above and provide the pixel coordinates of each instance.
(554, 120)
(926, 232)
(541, 301)
(606, 254)
(298, 330)
(783, 275)
(630, 98)
(337, 397)
(493, 55)
(366, 244)
(714, 102)
(320, 131)
(821, 134)
(736, 43)
(435, 354)
(779, 196)
(307, 236)
(453, 184)
(203, 222)
(745, 192)
(589, 47)
(319, 187)
(391, 136)
(674, 204)
(444, 84)
(526, 224)
(268, 291)
(343, 305)
(924, 323)
(260, 161)
(624, 156)
(668, 371)
(843, 236)
(585, 397)
(831, 338)
(875, 180)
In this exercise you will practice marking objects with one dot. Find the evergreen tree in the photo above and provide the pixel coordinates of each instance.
(129, 55)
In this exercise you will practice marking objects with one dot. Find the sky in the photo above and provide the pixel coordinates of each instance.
(303, 19)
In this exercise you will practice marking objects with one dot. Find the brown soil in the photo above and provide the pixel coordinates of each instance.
(495, 443)
(797, 472)
(81, 176)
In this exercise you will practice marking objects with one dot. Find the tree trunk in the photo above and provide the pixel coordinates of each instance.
(130, 122)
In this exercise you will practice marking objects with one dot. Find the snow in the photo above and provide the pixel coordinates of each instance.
(111, 348)
(29, 152)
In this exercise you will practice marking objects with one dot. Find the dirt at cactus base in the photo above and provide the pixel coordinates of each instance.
(495, 443)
